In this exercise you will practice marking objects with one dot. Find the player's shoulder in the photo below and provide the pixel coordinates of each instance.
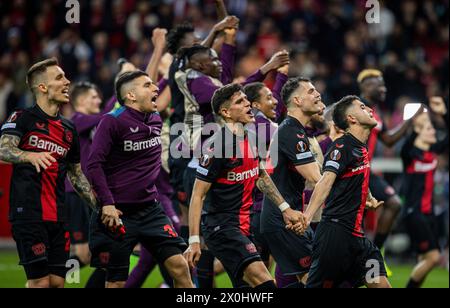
(340, 144)
(116, 113)
(68, 123)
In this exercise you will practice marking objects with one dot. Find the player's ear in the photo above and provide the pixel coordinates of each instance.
(297, 101)
(225, 113)
(351, 119)
(42, 88)
(131, 96)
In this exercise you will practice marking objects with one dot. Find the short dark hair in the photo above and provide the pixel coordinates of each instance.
(340, 111)
(176, 35)
(252, 91)
(290, 87)
(39, 68)
(186, 54)
(81, 88)
(121, 62)
(124, 79)
(222, 95)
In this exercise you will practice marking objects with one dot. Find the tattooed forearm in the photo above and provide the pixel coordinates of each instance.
(9, 151)
(266, 185)
(81, 184)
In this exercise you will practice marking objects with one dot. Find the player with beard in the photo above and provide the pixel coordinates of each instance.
(341, 252)
(124, 163)
(373, 94)
(228, 172)
(291, 163)
(43, 147)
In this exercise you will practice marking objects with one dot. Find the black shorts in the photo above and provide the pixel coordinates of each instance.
(258, 238)
(78, 218)
(146, 224)
(380, 189)
(43, 248)
(177, 167)
(235, 250)
(342, 260)
(423, 231)
(291, 251)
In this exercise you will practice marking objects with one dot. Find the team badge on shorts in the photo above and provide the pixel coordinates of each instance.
(251, 248)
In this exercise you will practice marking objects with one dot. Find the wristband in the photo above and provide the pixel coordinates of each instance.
(284, 206)
(195, 239)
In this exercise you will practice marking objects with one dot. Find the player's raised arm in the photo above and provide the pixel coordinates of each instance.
(159, 45)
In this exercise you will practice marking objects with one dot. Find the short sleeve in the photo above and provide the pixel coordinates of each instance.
(295, 146)
(15, 125)
(209, 167)
(337, 158)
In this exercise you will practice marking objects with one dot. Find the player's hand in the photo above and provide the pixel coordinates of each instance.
(437, 105)
(159, 37)
(110, 217)
(229, 22)
(192, 254)
(300, 227)
(292, 217)
(278, 60)
(373, 204)
(41, 160)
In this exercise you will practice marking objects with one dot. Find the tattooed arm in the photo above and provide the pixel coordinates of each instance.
(10, 153)
(81, 184)
(266, 185)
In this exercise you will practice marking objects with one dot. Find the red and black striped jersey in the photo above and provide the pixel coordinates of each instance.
(37, 197)
(349, 159)
(231, 165)
(418, 179)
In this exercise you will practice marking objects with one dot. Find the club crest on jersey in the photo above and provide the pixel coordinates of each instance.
(336, 155)
(68, 136)
(302, 147)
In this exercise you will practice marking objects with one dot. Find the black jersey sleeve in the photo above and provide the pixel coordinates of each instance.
(338, 157)
(295, 145)
(15, 125)
(210, 167)
(73, 156)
